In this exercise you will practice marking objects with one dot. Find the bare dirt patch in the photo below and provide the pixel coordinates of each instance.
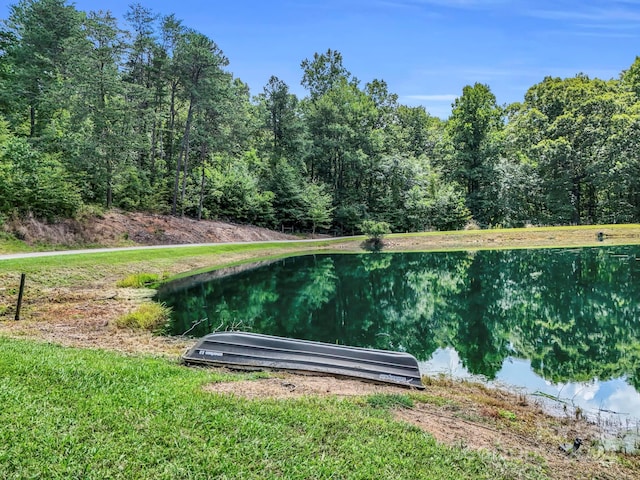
(514, 426)
(465, 415)
(286, 385)
(116, 228)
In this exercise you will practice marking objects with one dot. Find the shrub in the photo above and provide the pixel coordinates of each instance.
(148, 316)
(375, 230)
(139, 280)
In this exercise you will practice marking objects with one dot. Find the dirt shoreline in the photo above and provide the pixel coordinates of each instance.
(515, 426)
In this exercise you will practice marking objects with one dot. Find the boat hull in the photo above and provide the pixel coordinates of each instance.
(255, 351)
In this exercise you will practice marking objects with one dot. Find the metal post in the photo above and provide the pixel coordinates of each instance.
(22, 278)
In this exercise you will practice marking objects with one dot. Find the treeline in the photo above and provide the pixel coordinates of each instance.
(146, 116)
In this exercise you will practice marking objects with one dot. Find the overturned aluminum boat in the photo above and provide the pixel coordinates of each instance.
(254, 351)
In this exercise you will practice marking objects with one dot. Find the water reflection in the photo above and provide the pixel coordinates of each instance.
(611, 400)
(572, 316)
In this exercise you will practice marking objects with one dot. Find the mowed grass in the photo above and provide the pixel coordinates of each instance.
(73, 413)
(83, 268)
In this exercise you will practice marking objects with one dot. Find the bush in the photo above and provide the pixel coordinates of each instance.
(375, 230)
(139, 280)
(35, 183)
(148, 316)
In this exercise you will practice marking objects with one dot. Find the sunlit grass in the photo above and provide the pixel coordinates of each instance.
(116, 256)
(10, 244)
(149, 316)
(70, 413)
(139, 280)
(553, 229)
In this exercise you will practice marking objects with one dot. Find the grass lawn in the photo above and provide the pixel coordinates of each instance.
(76, 413)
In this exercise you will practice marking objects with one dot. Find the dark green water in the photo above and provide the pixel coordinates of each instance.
(568, 317)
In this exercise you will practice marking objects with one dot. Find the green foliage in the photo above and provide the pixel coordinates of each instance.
(506, 414)
(139, 117)
(375, 230)
(317, 203)
(148, 316)
(473, 128)
(139, 280)
(235, 194)
(36, 183)
(287, 184)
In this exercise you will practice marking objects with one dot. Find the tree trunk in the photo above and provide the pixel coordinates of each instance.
(184, 152)
(32, 120)
(153, 152)
(109, 184)
(203, 153)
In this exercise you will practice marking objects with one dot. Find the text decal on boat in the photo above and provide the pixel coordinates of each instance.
(394, 378)
(209, 353)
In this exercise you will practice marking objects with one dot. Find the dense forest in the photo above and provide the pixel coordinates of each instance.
(143, 114)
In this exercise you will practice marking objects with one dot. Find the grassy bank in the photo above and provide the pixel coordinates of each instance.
(73, 413)
(92, 412)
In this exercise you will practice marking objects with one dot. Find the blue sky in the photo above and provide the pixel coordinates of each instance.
(426, 50)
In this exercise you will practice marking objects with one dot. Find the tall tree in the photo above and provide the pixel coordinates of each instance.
(199, 62)
(574, 123)
(475, 122)
(282, 120)
(141, 74)
(38, 32)
(323, 73)
(98, 106)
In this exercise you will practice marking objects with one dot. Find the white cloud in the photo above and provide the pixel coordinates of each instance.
(611, 15)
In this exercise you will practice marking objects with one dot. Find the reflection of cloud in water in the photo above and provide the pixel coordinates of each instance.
(445, 361)
(610, 396)
(625, 399)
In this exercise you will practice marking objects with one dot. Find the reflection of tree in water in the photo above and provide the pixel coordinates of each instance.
(574, 313)
(583, 320)
(303, 290)
(482, 332)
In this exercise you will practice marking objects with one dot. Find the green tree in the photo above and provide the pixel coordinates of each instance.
(99, 108)
(375, 230)
(419, 133)
(34, 183)
(199, 62)
(287, 184)
(145, 75)
(474, 126)
(323, 73)
(342, 150)
(234, 192)
(317, 202)
(571, 123)
(282, 120)
(38, 32)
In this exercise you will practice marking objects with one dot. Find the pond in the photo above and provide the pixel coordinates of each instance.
(561, 322)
